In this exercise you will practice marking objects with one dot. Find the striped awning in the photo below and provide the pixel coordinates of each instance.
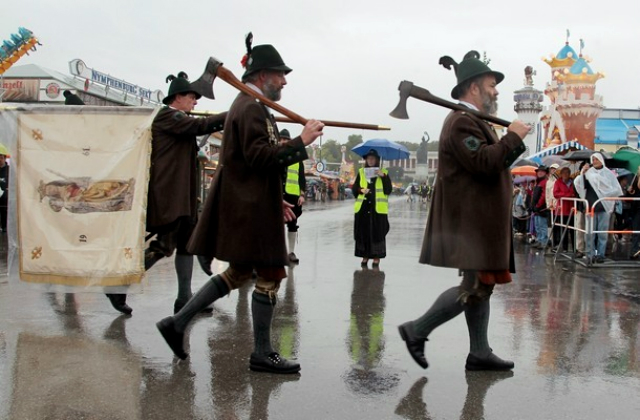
(570, 145)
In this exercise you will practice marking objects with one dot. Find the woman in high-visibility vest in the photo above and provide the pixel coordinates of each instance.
(295, 185)
(371, 222)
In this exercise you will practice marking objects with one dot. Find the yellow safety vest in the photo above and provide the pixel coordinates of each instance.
(292, 184)
(382, 201)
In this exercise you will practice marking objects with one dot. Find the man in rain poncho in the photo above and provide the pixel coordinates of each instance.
(596, 181)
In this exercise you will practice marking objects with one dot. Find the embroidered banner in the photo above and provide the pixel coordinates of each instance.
(81, 188)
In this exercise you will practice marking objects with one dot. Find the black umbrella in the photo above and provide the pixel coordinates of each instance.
(524, 162)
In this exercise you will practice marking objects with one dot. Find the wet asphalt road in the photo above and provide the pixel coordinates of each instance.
(572, 332)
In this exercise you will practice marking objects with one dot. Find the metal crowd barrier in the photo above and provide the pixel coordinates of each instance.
(589, 231)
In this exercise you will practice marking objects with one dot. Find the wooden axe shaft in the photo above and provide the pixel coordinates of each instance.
(328, 123)
(341, 124)
(291, 117)
(424, 95)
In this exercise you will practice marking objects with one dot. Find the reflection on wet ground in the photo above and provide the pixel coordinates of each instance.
(572, 331)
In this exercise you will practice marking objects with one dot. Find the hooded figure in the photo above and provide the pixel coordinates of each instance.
(602, 180)
(592, 184)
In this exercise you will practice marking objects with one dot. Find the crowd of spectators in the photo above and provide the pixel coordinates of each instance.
(549, 212)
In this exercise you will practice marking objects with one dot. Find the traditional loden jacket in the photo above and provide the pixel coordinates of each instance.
(242, 221)
(173, 179)
(469, 224)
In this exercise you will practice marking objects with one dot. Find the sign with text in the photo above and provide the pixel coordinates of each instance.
(78, 68)
(20, 90)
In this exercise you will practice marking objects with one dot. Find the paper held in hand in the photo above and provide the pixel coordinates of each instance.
(371, 173)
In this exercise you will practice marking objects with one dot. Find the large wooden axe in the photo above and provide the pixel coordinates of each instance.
(408, 89)
(214, 68)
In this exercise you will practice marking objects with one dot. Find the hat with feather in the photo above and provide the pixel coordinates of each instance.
(179, 85)
(470, 67)
(261, 57)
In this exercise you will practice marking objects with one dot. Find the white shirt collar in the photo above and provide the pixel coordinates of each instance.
(254, 87)
(469, 105)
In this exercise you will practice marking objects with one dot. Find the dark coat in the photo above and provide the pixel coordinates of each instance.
(539, 199)
(469, 224)
(242, 221)
(369, 227)
(173, 179)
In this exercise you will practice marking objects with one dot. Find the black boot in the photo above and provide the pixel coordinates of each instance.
(415, 345)
(172, 328)
(119, 302)
(264, 358)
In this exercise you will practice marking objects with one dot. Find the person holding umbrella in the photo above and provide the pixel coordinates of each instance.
(371, 188)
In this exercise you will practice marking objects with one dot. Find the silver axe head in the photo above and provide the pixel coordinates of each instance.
(204, 85)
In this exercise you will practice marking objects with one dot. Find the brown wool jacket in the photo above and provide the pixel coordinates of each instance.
(469, 224)
(173, 178)
(242, 221)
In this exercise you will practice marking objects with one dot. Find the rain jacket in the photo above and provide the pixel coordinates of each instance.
(603, 182)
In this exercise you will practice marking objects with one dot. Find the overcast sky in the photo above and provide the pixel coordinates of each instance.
(347, 56)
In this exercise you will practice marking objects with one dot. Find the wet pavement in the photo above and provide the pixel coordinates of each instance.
(572, 332)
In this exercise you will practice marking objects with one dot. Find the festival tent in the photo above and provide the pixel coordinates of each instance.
(555, 150)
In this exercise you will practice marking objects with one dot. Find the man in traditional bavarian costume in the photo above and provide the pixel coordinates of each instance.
(295, 185)
(242, 221)
(172, 197)
(469, 226)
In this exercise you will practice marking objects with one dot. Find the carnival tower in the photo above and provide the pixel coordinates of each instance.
(528, 107)
(575, 107)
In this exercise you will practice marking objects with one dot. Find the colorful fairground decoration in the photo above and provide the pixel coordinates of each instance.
(78, 68)
(17, 46)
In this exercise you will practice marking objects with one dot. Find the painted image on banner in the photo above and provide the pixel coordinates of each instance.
(83, 195)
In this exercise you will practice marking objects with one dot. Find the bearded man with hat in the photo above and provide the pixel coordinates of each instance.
(173, 195)
(295, 186)
(473, 234)
(242, 221)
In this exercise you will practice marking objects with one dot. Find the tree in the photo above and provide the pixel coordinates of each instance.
(433, 146)
(330, 151)
(411, 146)
(352, 141)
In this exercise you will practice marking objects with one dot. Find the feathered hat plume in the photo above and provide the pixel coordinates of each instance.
(248, 40)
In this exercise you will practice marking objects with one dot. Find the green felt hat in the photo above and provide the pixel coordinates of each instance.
(262, 57)
(71, 98)
(470, 67)
(178, 85)
(284, 134)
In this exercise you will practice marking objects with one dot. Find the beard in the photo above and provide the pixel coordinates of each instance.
(271, 91)
(489, 104)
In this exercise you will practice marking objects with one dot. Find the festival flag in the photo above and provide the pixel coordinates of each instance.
(81, 177)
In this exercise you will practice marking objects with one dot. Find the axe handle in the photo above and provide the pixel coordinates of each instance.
(226, 75)
(326, 122)
(424, 95)
(341, 124)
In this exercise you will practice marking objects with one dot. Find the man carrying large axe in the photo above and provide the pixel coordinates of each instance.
(172, 199)
(242, 221)
(472, 234)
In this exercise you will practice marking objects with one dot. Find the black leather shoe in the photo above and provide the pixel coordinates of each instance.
(174, 339)
(293, 258)
(491, 362)
(119, 302)
(205, 264)
(415, 345)
(177, 305)
(272, 363)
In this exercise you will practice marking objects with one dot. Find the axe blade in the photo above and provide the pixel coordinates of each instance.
(204, 84)
(400, 110)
